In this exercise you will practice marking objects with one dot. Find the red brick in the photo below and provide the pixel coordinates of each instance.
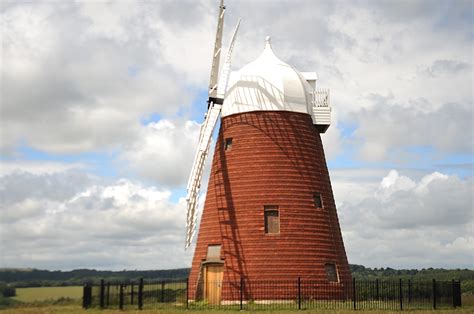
(277, 158)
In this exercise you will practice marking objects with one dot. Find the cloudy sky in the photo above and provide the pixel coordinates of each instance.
(101, 104)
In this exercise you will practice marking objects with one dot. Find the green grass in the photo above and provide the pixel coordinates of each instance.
(29, 295)
(56, 300)
(76, 309)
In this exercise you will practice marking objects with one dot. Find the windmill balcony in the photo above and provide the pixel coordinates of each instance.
(321, 113)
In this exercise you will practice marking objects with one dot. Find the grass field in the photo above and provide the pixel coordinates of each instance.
(77, 309)
(44, 300)
(39, 294)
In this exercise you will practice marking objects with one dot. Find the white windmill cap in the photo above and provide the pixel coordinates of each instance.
(269, 84)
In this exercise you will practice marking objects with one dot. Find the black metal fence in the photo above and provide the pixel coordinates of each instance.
(296, 294)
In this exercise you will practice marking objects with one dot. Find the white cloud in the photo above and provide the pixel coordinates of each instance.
(385, 130)
(443, 67)
(73, 82)
(36, 167)
(70, 219)
(400, 222)
(88, 91)
(164, 152)
(388, 54)
(117, 225)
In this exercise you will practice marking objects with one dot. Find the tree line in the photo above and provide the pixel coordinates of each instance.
(18, 278)
(41, 278)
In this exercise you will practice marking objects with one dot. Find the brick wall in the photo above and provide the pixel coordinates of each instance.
(276, 158)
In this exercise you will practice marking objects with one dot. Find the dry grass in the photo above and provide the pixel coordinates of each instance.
(73, 309)
(468, 300)
(29, 295)
(45, 308)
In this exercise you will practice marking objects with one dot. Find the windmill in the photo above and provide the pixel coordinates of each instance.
(269, 212)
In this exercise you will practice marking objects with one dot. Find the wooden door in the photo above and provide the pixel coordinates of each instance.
(213, 283)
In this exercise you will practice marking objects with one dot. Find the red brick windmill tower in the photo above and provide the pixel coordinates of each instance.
(269, 212)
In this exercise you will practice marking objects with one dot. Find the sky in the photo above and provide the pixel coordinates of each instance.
(101, 103)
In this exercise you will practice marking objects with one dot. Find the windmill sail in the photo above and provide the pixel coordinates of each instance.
(216, 98)
(224, 78)
(217, 54)
(194, 183)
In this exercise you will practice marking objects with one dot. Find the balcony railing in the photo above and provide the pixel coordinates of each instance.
(321, 97)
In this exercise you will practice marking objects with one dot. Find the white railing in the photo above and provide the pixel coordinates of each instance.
(321, 97)
(321, 111)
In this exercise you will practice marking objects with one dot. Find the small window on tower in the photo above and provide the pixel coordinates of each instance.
(214, 252)
(272, 220)
(331, 272)
(228, 143)
(318, 201)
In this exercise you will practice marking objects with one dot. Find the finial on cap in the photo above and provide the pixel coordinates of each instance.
(268, 42)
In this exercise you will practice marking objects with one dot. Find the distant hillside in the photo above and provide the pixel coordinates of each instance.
(361, 272)
(465, 275)
(37, 278)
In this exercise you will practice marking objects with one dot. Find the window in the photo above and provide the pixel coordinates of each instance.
(228, 143)
(214, 252)
(331, 272)
(272, 220)
(318, 200)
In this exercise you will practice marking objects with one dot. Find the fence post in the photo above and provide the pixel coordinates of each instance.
(86, 296)
(456, 293)
(89, 293)
(434, 294)
(242, 293)
(409, 291)
(453, 291)
(108, 294)
(377, 291)
(299, 293)
(400, 293)
(102, 293)
(187, 292)
(121, 297)
(354, 293)
(459, 294)
(162, 292)
(140, 294)
(84, 303)
(131, 293)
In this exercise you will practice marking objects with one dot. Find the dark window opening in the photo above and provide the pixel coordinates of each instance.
(272, 220)
(331, 272)
(228, 143)
(318, 200)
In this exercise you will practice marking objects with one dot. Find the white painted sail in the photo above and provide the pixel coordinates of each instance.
(216, 95)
